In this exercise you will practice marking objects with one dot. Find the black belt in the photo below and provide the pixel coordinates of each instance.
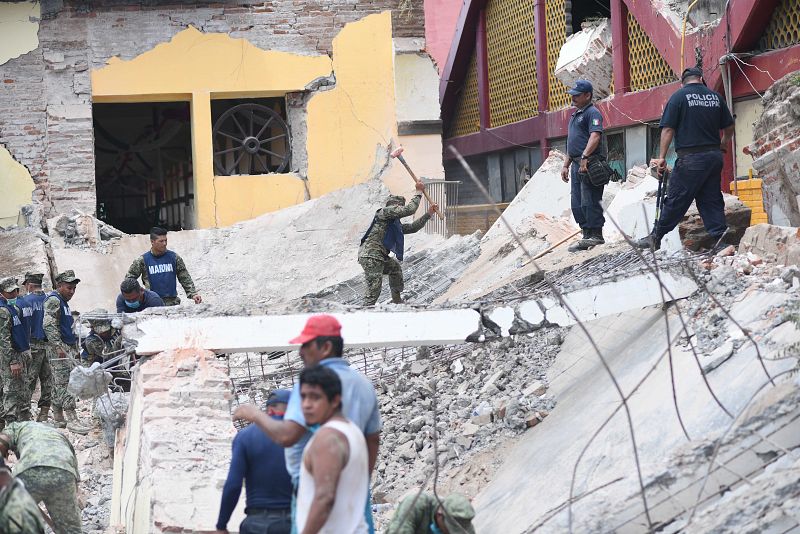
(697, 149)
(268, 511)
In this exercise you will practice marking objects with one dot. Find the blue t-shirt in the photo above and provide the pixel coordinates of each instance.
(259, 462)
(151, 300)
(359, 403)
(697, 114)
(581, 124)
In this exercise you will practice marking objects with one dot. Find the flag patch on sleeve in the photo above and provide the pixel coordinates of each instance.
(595, 122)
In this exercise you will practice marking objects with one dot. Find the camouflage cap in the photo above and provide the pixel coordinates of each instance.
(8, 284)
(34, 278)
(97, 323)
(68, 277)
(459, 513)
(395, 199)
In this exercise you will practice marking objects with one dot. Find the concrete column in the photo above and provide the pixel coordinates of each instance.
(203, 161)
(495, 177)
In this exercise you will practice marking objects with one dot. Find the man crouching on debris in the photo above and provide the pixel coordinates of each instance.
(584, 139)
(322, 344)
(49, 469)
(425, 514)
(385, 235)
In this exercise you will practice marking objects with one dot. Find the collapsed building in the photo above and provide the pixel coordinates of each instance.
(602, 391)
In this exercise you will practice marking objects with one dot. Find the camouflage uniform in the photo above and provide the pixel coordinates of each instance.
(138, 269)
(417, 517)
(373, 256)
(16, 392)
(96, 347)
(19, 513)
(40, 364)
(61, 366)
(48, 467)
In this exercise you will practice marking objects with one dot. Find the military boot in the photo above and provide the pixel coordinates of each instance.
(43, 412)
(58, 417)
(396, 297)
(74, 425)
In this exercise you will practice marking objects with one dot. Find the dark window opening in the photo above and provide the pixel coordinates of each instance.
(589, 11)
(654, 146)
(143, 165)
(615, 143)
(250, 136)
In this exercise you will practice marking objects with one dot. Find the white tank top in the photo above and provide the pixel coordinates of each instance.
(347, 514)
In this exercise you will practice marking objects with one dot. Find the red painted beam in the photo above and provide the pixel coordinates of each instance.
(482, 61)
(665, 36)
(761, 70)
(747, 19)
(540, 43)
(619, 40)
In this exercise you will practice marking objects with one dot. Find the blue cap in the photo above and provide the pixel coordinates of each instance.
(279, 396)
(581, 86)
(691, 71)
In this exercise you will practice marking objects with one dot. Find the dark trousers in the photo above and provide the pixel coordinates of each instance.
(585, 199)
(695, 177)
(267, 522)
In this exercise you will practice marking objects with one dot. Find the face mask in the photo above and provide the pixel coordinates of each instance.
(133, 304)
(11, 302)
(435, 529)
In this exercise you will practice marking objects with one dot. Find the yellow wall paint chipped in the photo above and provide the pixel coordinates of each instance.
(206, 62)
(350, 126)
(17, 185)
(243, 197)
(19, 28)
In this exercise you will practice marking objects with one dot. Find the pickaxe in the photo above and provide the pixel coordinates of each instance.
(398, 153)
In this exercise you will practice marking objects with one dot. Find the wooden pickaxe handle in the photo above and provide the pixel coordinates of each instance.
(398, 154)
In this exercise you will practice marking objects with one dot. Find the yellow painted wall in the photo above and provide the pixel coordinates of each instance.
(17, 185)
(351, 126)
(19, 28)
(244, 197)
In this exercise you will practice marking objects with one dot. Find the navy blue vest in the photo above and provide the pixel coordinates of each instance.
(65, 321)
(393, 240)
(162, 273)
(32, 306)
(20, 338)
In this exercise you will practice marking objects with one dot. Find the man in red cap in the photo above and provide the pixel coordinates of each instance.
(321, 343)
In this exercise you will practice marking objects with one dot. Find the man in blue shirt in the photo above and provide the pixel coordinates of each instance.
(260, 463)
(693, 117)
(322, 344)
(584, 140)
(134, 298)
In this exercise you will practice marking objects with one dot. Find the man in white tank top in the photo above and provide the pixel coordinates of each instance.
(333, 473)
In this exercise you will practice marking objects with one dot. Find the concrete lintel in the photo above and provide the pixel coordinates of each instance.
(269, 333)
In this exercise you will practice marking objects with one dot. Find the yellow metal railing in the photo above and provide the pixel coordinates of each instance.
(647, 68)
(784, 28)
(467, 118)
(556, 29)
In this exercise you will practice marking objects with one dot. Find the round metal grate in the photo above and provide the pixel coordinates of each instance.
(250, 139)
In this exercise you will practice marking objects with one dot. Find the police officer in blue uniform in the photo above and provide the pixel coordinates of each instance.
(161, 270)
(584, 138)
(693, 117)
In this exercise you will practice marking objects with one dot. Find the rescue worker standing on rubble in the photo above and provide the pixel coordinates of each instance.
(32, 305)
(15, 355)
(385, 235)
(62, 347)
(19, 513)
(161, 270)
(584, 139)
(693, 117)
(49, 469)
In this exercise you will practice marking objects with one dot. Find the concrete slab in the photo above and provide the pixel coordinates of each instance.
(23, 250)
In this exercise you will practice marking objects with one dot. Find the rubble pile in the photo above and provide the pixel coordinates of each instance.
(487, 395)
(80, 230)
(95, 464)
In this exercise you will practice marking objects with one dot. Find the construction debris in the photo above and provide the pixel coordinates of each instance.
(586, 55)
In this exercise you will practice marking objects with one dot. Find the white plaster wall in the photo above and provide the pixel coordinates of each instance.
(746, 113)
(416, 88)
(19, 28)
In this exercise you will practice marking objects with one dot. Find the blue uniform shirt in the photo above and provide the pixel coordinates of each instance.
(359, 403)
(697, 114)
(259, 462)
(162, 272)
(32, 306)
(581, 124)
(151, 300)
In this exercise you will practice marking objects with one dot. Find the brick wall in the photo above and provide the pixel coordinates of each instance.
(45, 99)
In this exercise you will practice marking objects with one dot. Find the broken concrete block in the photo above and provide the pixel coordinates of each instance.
(535, 389)
(416, 424)
(694, 235)
(418, 367)
(586, 55)
(781, 241)
(23, 250)
(469, 429)
(535, 418)
(464, 442)
(493, 380)
(457, 367)
(407, 451)
(730, 250)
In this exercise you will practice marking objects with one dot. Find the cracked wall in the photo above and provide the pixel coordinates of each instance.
(16, 184)
(46, 93)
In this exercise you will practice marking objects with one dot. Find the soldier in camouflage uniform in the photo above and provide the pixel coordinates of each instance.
(32, 306)
(19, 513)
(15, 355)
(48, 467)
(385, 234)
(425, 515)
(160, 269)
(62, 346)
(102, 340)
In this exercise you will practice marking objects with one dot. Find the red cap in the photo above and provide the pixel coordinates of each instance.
(318, 326)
